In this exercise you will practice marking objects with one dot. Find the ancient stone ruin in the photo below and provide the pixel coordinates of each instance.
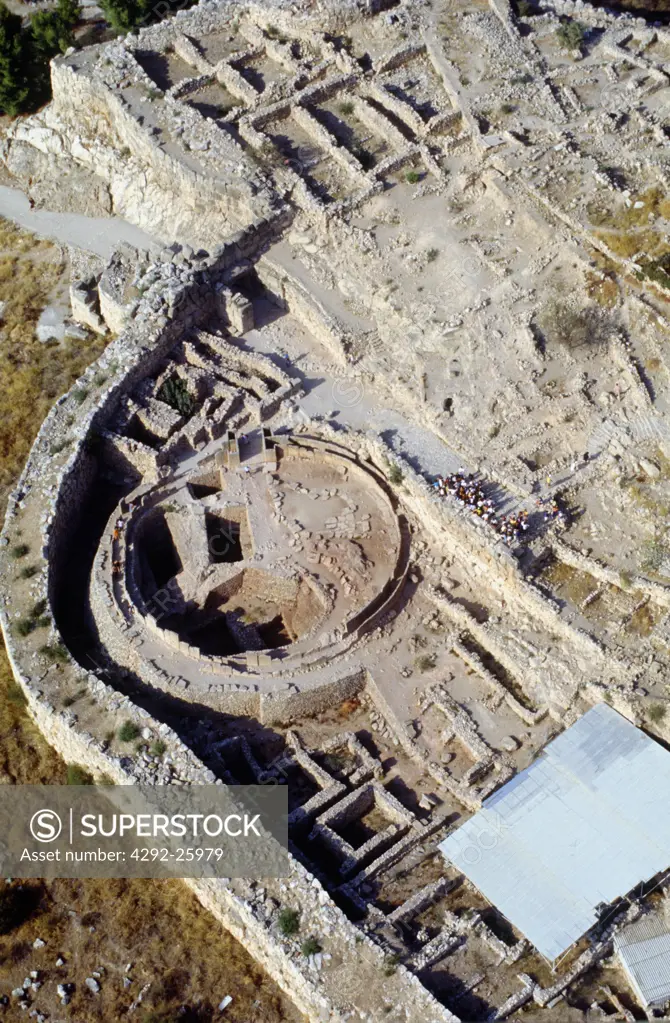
(361, 219)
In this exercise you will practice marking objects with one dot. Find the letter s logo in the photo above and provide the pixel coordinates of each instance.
(45, 825)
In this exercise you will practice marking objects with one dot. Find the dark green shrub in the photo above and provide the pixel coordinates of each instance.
(570, 34)
(289, 921)
(57, 653)
(175, 393)
(310, 947)
(129, 731)
(24, 627)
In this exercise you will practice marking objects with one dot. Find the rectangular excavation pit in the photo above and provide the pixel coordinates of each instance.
(347, 760)
(218, 46)
(228, 535)
(302, 787)
(136, 430)
(311, 789)
(497, 670)
(407, 877)
(205, 485)
(362, 826)
(468, 980)
(263, 610)
(338, 116)
(213, 101)
(239, 760)
(438, 735)
(320, 172)
(158, 557)
(165, 69)
(213, 637)
(261, 72)
(418, 85)
(397, 122)
(361, 829)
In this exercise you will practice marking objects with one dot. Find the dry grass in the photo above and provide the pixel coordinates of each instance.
(627, 244)
(602, 289)
(569, 582)
(25, 758)
(655, 203)
(157, 926)
(643, 621)
(33, 374)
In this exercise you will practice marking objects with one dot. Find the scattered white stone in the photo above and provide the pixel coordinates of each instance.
(92, 985)
(225, 1002)
(649, 467)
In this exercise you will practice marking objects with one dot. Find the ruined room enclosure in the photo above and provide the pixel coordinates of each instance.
(296, 148)
(164, 69)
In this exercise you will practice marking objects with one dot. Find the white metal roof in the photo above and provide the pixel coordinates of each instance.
(585, 823)
(644, 950)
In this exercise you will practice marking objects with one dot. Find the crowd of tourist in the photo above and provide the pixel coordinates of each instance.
(466, 489)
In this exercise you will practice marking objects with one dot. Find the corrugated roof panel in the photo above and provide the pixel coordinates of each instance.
(644, 950)
(579, 827)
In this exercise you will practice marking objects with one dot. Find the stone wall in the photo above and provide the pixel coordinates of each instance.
(291, 294)
(150, 187)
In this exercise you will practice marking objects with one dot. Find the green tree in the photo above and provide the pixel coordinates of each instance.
(25, 52)
(124, 15)
(14, 64)
(48, 34)
(52, 31)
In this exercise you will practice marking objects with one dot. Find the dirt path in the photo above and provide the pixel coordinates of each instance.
(100, 235)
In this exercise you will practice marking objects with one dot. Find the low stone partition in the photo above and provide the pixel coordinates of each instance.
(236, 84)
(399, 57)
(407, 114)
(321, 91)
(188, 86)
(377, 122)
(436, 949)
(322, 137)
(425, 897)
(462, 725)
(656, 591)
(190, 54)
(294, 296)
(529, 717)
